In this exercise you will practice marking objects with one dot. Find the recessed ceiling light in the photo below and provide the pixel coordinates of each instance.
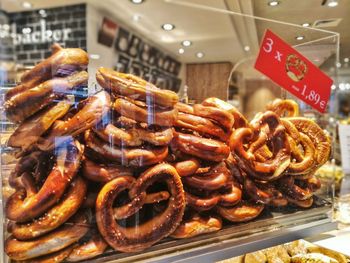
(299, 38)
(27, 5)
(186, 43)
(338, 64)
(199, 54)
(246, 48)
(333, 87)
(305, 24)
(181, 50)
(94, 56)
(332, 3)
(168, 27)
(273, 3)
(137, 1)
(346, 60)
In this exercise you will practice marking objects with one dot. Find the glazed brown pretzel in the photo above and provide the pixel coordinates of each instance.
(95, 107)
(56, 215)
(126, 156)
(25, 104)
(134, 136)
(206, 149)
(265, 128)
(284, 107)
(142, 112)
(197, 224)
(27, 204)
(130, 239)
(242, 212)
(61, 62)
(134, 87)
(66, 234)
(222, 117)
(299, 189)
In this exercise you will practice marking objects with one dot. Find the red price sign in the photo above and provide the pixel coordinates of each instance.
(292, 71)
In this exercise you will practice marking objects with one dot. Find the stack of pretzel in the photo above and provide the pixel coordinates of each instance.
(130, 165)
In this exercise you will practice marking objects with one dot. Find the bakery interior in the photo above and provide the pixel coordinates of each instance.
(140, 131)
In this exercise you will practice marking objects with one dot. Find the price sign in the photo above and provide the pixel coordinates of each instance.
(292, 71)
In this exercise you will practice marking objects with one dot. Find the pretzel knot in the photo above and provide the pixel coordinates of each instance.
(128, 239)
(266, 131)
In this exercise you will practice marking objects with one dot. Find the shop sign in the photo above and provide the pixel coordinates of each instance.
(344, 139)
(41, 36)
(293, 72)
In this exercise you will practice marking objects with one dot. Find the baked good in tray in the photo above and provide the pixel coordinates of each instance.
(130, 165)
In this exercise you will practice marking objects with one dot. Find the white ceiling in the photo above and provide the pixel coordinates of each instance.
(219, 35)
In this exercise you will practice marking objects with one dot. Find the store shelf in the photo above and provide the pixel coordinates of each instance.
(272, 228)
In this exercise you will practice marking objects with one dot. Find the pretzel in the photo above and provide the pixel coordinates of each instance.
(126, 156)
(146, 234)
(197, 225)
(142, 112)
(222, 117)
(284, 107)
(95, 107)
(294, 189)
(56, 257)
(201, 125)
(26, 204)
(242, 212)
(29, 131)
(319, 138)
(25, 104)
(265, 128)
(216, 178)
(66, 234)
(134, 87)
(301, 203)
(184, 108)
(56, 216)
(206, 149)
(239, 120)
(103, 173)
(134, 136)
(187, 167)
(92, 248)
(264, 193)
(229, 197)
(62, 62)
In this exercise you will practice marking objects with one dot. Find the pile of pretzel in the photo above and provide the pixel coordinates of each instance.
(130, 165)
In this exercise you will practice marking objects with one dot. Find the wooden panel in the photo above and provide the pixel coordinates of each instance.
(207, 80)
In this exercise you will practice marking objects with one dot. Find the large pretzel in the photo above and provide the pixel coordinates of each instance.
(126, 156)
(59, 239)
(222, 117)
(56, 216)
(134, 136)
(129, 239)
(266, 129)
(134, 87)
(206, 149)
(94, 109)
(25, 104)
(26, 204)
(62, 62)
(299, 189)
(282, 108)
(143, 112)
(242, 212)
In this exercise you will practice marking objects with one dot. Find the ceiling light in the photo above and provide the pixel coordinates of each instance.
(342, 86)
(333, 87)
(137, 2)
(94, 56)
(26, 5)
(181, 51)
(199, 54)
(273, 3)
(332, 3)
(168, 27)
(305, 24)
(136, 17)
(186, 43)
(346, 60)
(246, 48)
(299, 38)
(338, 64)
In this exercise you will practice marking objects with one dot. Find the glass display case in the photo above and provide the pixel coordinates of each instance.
(115, 148)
